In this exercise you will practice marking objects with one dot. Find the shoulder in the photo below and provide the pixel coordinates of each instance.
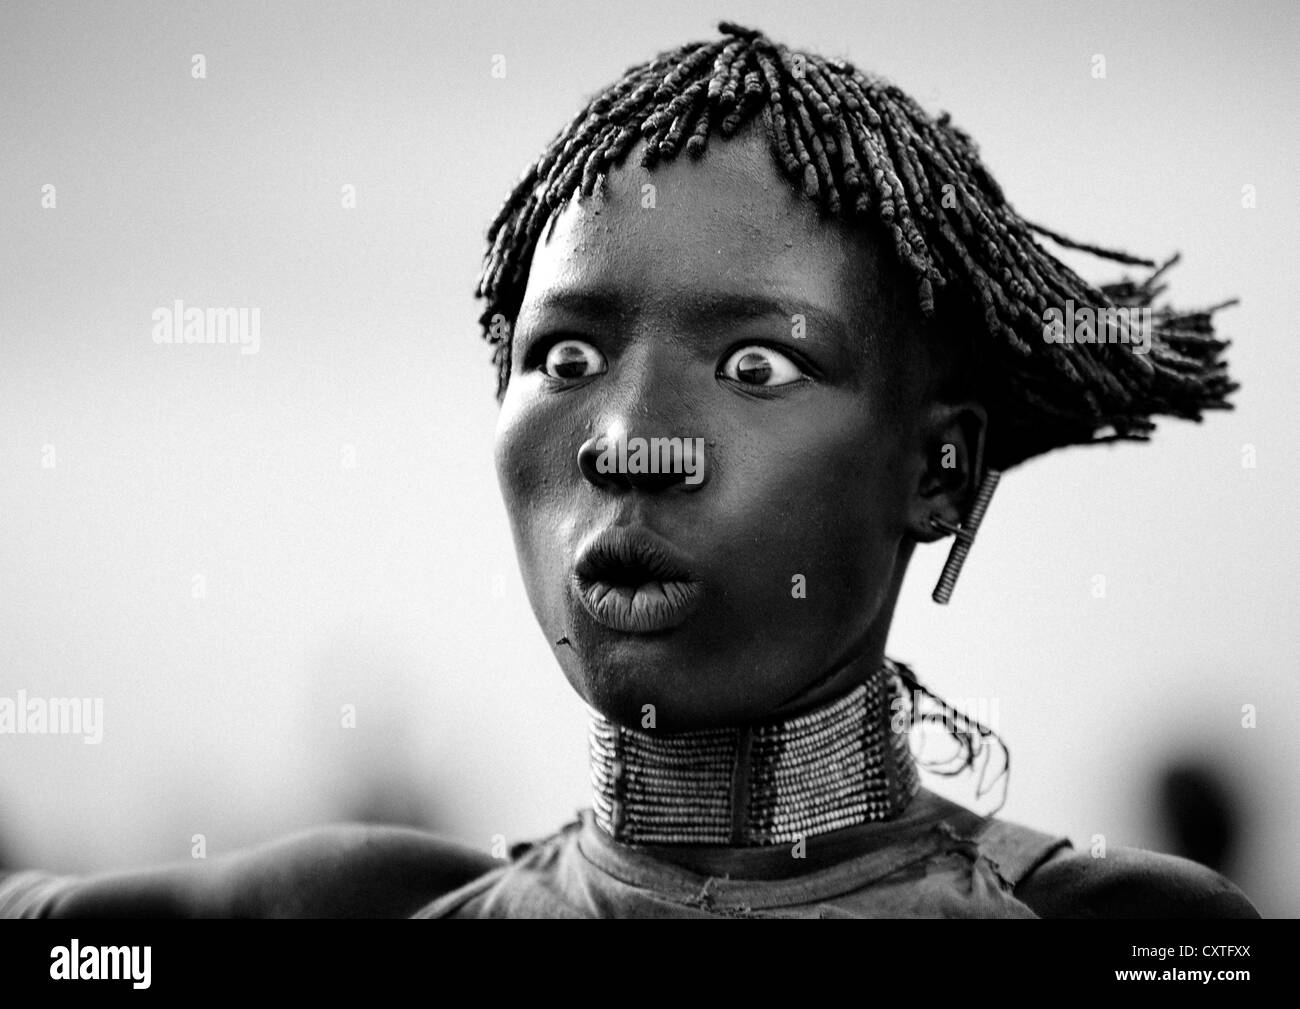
(334, 871)
(347, 871)
(1130, 883)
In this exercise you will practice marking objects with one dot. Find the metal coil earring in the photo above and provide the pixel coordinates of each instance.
(965, 534)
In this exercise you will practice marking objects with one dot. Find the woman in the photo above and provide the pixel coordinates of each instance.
(737, 389)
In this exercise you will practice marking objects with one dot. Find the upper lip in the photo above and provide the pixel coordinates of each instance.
(623, 549)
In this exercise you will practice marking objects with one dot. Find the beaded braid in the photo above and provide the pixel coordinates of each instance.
(973, 738)
(862, 150)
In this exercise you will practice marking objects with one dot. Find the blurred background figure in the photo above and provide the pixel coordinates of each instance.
(1198, 815)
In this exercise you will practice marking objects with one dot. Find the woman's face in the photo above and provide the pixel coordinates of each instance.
(706, 300)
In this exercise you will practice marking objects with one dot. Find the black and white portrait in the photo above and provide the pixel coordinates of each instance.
(507, 460)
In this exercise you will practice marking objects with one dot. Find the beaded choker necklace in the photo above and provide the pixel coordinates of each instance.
(836, 766)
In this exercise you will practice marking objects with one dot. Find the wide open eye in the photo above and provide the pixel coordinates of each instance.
(573, 359)
(759, 365)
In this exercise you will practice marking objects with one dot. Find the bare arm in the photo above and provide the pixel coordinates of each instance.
(337, 871)
(1131, 883)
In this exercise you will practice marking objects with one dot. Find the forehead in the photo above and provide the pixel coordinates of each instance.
(727, 226)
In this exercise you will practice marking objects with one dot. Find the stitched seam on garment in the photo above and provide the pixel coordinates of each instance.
(1016, 850)
(1018, 877)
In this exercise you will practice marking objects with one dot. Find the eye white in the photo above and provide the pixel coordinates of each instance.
(757, 365)
(573, 359)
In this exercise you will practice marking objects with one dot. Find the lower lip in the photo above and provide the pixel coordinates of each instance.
(640, 609)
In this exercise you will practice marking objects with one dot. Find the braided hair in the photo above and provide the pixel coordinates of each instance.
(862, 150)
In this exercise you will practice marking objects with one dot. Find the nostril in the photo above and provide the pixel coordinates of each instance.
(588, 458)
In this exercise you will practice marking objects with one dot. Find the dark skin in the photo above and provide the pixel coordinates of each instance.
(833, 473)
(822, 455)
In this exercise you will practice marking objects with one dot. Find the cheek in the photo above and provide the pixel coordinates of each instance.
(536, 461)
(840, 514)
(511, 451)
(526, 451)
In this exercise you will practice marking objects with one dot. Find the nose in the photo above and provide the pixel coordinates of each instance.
(653, 465)
(646, 430)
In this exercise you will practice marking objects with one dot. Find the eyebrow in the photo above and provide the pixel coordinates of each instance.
(703, 309)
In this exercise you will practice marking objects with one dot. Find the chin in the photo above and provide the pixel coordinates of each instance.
(690, 698)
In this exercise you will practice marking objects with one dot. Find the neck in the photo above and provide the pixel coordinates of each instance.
(836, 766)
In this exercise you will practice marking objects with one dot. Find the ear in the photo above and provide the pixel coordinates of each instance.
(950, 445)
